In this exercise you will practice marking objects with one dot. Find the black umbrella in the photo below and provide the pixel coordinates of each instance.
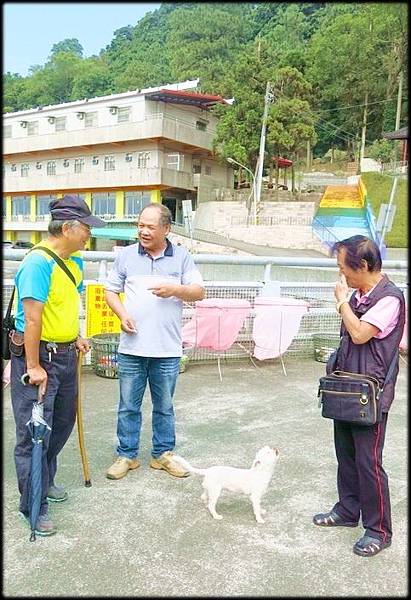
(38, 429)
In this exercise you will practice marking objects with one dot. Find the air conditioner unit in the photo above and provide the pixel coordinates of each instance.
(38, 165)
(66, 162)
(51, 119)
(129, 157)
(113, 109)
(80, 115)
(23, 124)
(95, 160)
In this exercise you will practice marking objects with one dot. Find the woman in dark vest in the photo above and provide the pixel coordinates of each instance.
(372, 326)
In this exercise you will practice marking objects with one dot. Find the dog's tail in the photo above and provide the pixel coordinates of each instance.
(187, 465)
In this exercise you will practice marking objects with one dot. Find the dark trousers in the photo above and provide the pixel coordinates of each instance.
(361, 480)
(59, 413)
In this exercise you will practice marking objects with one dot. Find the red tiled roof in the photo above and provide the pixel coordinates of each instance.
(183, 97)
(282, 162)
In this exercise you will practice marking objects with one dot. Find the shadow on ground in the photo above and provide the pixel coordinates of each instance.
(150, 535)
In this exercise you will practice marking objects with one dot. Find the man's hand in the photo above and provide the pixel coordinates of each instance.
(83, 345)
(341, 289)
(165, 290)
(128, 325)
(38, 376)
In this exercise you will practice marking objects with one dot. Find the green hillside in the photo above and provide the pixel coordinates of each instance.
(378, 192)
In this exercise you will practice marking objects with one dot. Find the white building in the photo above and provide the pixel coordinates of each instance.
(118, 152)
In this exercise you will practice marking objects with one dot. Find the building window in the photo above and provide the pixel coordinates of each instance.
(196, 167)
(20, 205)
(32, 128)
(90, 119)
(60, 124)
(7, 131)
(109, 164)
(201, 125)
(142, 160)
(175, 161)
(43, 202)
(207, 170)
(123, 114)
(134, 202)
(104, 203)
(78, 165)
(24, 169)
(51, 167)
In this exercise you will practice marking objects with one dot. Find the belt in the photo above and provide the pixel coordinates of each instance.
(59, 345)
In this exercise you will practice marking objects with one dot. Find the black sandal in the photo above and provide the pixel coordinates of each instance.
(369, 546)
(331, 519)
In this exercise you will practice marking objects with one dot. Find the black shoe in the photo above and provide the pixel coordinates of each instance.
(331, 519)
(369, 546)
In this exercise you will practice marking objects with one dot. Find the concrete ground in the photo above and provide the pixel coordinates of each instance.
(150, 535)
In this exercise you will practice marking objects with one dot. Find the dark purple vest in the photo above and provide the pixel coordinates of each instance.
(375, 356)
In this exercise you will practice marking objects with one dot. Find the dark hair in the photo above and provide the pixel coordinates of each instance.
(358, 248)
(166, 217)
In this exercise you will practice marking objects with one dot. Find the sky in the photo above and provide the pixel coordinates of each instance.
(30, 29)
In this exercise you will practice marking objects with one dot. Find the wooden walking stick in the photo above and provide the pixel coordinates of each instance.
(80, 431)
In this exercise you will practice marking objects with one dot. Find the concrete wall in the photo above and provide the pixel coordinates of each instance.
(290, 223)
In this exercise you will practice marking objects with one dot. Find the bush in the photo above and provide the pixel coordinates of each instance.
(382, 150)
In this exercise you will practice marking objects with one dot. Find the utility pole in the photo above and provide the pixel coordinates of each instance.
(364, 127)
(398, 115)
(260, 164)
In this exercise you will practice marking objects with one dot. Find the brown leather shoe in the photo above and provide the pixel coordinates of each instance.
(121, 466)
(167, 463)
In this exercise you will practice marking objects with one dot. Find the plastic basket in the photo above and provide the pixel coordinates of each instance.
(324, 345)
(104, 355)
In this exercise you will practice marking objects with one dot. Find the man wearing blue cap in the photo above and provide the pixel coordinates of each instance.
(45, 343)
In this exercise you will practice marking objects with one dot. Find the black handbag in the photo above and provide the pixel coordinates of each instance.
(352, 397)
(8, 321)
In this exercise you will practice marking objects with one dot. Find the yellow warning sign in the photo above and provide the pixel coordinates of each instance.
(99, 316)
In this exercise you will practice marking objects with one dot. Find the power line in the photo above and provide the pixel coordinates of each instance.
(356, 105)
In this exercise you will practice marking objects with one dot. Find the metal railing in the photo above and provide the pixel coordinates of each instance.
(321, 318)
(324, 234)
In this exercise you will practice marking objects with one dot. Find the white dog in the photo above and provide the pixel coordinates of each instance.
(253, 482)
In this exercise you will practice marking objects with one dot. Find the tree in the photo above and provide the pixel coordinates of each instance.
(203, 42)
(290, 123)
(68, 45)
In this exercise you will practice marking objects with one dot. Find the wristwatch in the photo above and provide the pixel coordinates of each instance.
(340, 303)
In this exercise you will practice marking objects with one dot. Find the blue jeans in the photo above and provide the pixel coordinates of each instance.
(161, 374)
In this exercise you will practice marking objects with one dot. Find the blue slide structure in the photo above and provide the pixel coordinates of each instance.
(343, 212)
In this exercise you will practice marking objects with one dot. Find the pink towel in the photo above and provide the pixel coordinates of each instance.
(276, 323)
(216, 323)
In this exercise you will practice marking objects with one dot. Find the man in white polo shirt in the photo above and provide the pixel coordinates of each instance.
(156, 277)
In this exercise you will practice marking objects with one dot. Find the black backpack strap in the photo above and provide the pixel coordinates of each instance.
(58, 261)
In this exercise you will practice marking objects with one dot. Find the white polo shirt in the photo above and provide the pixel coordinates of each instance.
(158, 320)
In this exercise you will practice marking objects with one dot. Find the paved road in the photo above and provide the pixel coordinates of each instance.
(150, 535)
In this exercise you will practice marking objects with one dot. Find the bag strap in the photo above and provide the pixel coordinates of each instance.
(391, 368)
(8, 311)
(58, 261)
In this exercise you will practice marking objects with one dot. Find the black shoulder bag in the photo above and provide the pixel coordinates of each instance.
(8, 321)
(352, 397)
